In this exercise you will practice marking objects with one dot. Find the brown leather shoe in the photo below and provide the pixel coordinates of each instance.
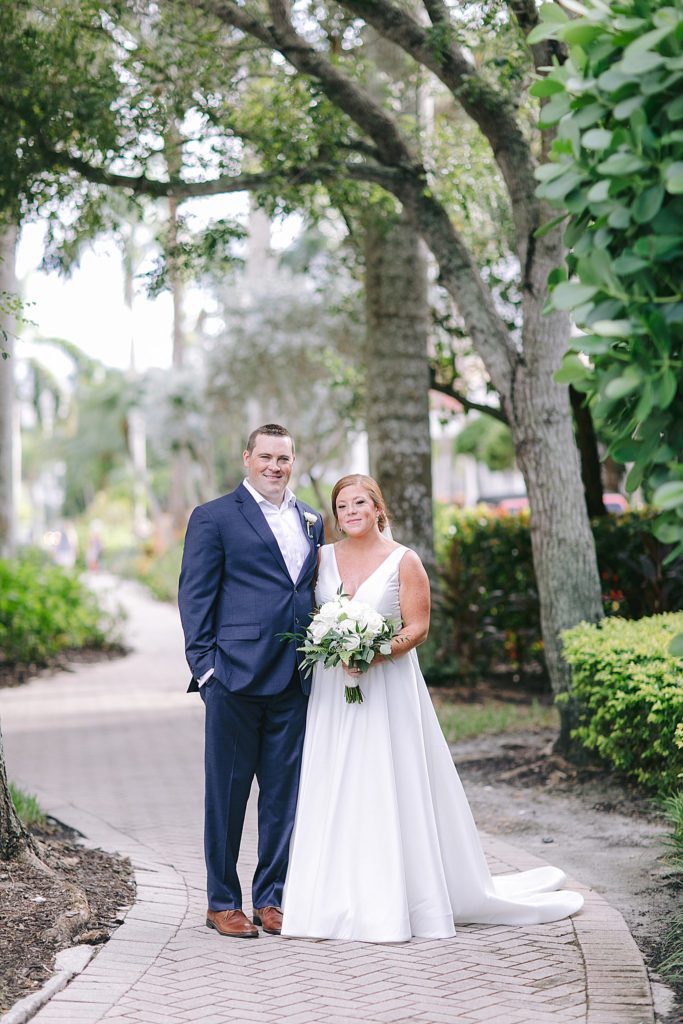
(270, 919)
(231, 922)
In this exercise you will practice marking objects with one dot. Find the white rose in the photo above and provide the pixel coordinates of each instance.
(329, 613)
(317, 630)
(352, 642)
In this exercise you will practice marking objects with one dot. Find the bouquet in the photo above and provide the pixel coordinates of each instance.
(348, 632)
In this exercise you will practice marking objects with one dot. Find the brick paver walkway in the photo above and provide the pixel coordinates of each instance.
(115, 750)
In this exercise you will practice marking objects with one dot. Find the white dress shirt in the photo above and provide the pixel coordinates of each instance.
(286, 527)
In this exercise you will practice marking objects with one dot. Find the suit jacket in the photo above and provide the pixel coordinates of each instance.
(236, 596)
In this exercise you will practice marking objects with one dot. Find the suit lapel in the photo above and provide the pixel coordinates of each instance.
(256, 519)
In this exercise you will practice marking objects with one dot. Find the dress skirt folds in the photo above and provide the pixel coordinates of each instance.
(384, 844)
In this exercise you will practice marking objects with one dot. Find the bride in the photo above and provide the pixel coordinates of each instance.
(384, 845)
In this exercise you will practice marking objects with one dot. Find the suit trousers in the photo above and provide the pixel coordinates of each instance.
(249, 737)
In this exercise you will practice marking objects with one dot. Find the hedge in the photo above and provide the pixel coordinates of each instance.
(492, 622)
(630, 696)
(44, 610)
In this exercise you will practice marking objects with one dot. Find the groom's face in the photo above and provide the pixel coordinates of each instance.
(269, 466)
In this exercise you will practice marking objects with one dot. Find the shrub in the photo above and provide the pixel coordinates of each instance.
(45, 610)
(629, 691)
(490, 592)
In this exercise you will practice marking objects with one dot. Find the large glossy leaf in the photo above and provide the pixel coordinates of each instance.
(647, 41)
(571, 370)
(571, 294)
(648, 204)
(597, 138)
(673, 178)
(669, 495)
(621, 163)
(619, 387)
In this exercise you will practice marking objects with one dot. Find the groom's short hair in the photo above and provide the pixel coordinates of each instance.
(273, 429)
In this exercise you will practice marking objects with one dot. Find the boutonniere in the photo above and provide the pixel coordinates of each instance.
(311, 519)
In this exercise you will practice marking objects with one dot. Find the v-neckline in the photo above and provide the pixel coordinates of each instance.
(368, 577)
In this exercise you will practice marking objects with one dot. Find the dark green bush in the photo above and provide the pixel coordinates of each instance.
(491, 601)
(45, 610)
(630, 696)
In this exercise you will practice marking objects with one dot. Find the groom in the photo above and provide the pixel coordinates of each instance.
(248, 567)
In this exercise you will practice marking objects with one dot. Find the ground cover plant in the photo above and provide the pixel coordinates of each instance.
(491, 614)
(46, 610)
(628, 692)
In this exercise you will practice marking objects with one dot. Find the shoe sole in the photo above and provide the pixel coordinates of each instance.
(232, 935)
(271, 931)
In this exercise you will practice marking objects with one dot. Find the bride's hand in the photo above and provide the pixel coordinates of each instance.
(355, 673)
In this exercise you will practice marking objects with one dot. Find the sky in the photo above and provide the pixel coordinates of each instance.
(88, 309)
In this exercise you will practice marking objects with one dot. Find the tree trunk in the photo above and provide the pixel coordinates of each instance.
(8, 284)
(397, 366)
(14, 839)
(587, 443)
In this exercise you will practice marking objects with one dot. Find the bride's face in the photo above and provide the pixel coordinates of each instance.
(356, 511)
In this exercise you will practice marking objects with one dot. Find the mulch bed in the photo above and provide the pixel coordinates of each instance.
(17, 675)
(43, 912)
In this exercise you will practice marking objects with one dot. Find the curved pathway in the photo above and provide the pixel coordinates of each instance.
(114, 749)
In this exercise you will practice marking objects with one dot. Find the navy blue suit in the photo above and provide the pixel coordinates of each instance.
(235, 597)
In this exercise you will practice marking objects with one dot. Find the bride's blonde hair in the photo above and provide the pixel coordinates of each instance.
(368, 484)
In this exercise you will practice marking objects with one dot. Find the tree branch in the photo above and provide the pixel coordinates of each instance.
(493, 113)
(468, 405)
(438, 14)
(408, 183)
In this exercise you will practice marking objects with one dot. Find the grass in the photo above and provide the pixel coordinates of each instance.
(26, 806)
(671, 967)
(465, 721)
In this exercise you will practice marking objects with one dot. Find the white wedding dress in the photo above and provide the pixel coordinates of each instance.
(384, 844)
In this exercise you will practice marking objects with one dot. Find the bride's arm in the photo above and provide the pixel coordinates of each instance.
(414, 599)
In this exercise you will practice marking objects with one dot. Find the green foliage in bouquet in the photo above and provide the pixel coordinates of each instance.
(45, 610)
(616, 106)
(492, 620)
(630, 696)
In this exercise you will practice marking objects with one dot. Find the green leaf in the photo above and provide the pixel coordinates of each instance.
(588, 115)
(552, 14)
(619, 387)
(591, 345)
(673, 178)
(560, 187)
(613, 79)
(626, 107)
(619, 218)
(556, 108)
(628, 263)
(571, 370)
(667, 533)
(666, 389)
(548, 226)
(541, 32)
(613, 328)
(548, 172)
(597, 138)
(676, 646)
(668, 495)
(640, 64)
(621, 163)
(571, 294)
(580, 33)
(634, 478)
(674, 110)
(647, 204)
(546, 87)
(599, 192)
(646, 42)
